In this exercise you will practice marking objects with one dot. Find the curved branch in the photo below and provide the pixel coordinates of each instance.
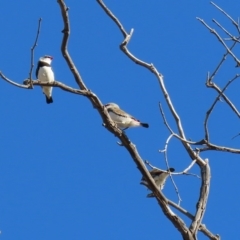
(61, 85)
(12, 82)
(66, 55)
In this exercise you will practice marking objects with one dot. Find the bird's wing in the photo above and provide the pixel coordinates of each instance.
(37, 69)
(155, 172)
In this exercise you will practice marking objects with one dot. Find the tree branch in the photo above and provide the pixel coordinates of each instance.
(213, 105)
(231, 105)
(13, 83)
(66, 55)
(179, 224)
(228, 16)
(220, 40)
(32, 52)
(203, 197)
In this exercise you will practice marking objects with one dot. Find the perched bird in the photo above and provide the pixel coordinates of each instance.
(45, 74)
(123, 119)
(159, 177)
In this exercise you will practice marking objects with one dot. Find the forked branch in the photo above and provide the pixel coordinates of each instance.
(176, 221)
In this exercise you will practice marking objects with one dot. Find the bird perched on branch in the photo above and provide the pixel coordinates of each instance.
(159, 177)
(45, 74)
(123, 119)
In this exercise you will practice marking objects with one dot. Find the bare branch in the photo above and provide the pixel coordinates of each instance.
(213, 105)
(166, 160)
(184, 172)
(235, 136)
(209, 79)
(211, 146)
(150, 67)
(174, 134)
(175, 219)
(164, 119)
(66, 55)
(228, 33)
(227, 15)
(32, 52)
(110, 14)
(202, 227)
(220, 39)
(231, 105)
(86, 93)
(13, 83)
(203, 197)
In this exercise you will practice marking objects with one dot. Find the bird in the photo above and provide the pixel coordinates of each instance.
(121, 118)
(44, 74)
(159, 176)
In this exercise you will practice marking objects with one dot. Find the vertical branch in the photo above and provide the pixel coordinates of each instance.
(32, 53)
(203, 197)
(66, 55)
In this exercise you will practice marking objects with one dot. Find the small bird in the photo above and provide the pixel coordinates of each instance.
(123, 119)
(159, 177)
(45, 74)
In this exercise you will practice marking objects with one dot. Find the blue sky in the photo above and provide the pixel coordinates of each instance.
(62, 175)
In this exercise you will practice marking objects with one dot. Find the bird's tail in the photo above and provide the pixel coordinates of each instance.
(144, 125)
(144, 183)
(49, 100)
(150, 195)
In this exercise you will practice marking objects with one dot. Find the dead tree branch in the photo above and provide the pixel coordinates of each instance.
(228, 16)
(123, 46)
(32, 52)
(12, 82)
(213, 105)
(213, 31)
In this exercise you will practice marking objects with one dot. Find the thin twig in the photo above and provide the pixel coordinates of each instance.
(12, 82)
(184, 172)
(235, 136)
(226, 99)
(228, 33)
(32, 52)
(228, 16)
(170, 173)
(220, 39)
(86, 93)
(111, 15)
(213, 105)
(166, 161)
(164, 118)
(210, 78)
(211, 146)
